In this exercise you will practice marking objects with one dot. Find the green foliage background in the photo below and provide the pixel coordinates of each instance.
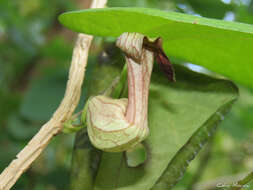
(35, 52)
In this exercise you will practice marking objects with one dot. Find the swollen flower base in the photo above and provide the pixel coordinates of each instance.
(116, 125)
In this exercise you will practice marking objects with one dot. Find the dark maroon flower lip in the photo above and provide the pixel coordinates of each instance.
(160, 57)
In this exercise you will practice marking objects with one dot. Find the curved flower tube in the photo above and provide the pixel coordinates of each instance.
(116, 125)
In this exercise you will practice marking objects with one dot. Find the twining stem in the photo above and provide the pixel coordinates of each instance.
(71, 98)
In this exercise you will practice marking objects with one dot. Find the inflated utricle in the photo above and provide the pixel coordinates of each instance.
(108, 128)
(116, 125)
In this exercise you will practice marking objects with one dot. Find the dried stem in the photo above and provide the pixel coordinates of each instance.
(71, 98)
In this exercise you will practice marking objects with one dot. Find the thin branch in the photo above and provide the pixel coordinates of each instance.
(71, 98)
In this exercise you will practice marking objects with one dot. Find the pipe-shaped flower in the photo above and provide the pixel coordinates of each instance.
(116, 125)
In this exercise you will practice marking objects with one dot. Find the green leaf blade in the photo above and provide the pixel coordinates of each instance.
(177, 111)
(220, 46)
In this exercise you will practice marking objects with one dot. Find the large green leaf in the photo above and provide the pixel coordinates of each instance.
(178, 165)
(190, 107)
(221, 46)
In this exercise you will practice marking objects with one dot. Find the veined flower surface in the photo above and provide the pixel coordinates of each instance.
(116, 125)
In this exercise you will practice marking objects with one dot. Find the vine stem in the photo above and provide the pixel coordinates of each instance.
(71, 98)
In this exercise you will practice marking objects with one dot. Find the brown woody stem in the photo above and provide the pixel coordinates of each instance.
(71, 98)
